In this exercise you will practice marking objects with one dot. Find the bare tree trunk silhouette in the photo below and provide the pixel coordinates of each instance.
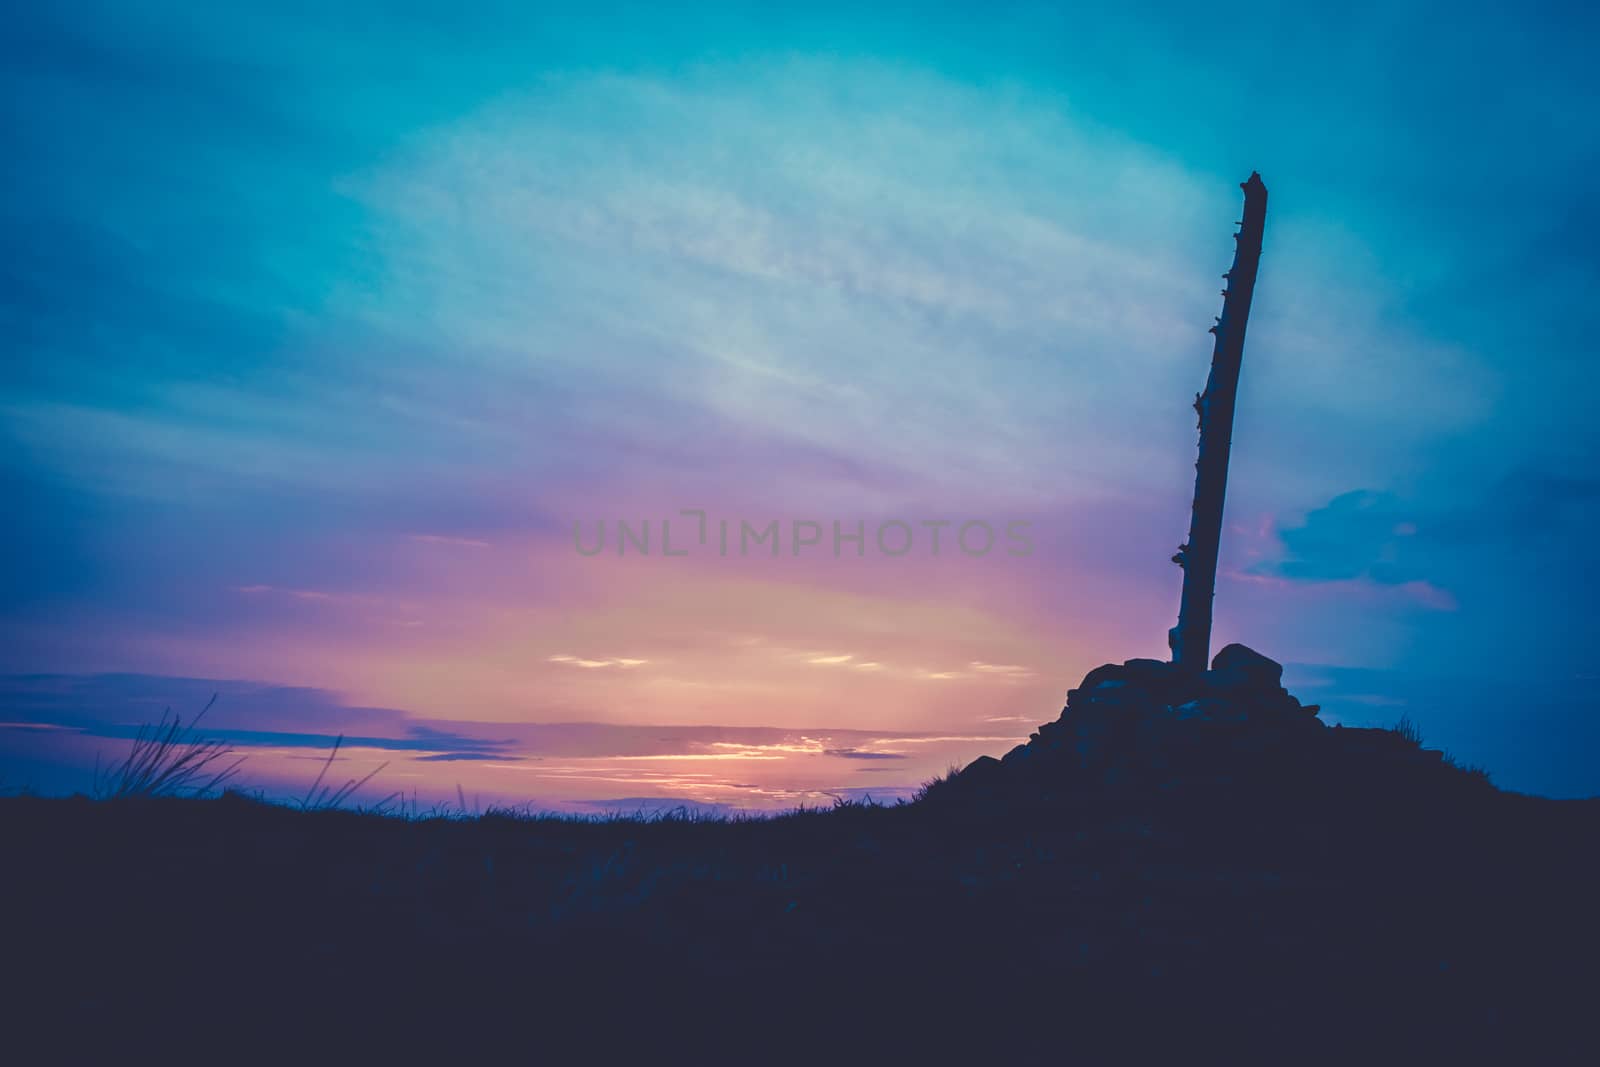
(1190, 640)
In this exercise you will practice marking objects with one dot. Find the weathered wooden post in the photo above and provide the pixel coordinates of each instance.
(1190, 640)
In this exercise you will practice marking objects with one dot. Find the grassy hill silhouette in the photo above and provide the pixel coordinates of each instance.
(1179, 865)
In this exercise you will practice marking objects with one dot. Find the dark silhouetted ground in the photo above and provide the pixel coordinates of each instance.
(1178, 870)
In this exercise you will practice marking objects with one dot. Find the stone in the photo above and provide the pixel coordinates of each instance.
(981, 770)
(1103, 673)
(1227, 683)
(1117, 694)
(1250, 663)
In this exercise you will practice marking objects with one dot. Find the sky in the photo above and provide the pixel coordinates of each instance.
(335, 334)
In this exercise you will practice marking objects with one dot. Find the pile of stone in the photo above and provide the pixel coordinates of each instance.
(1142, 716)
(1146, 724)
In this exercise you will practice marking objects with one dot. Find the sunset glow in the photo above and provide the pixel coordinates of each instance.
(313, 378)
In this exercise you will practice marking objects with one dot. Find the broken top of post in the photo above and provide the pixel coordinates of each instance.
(1190, 640)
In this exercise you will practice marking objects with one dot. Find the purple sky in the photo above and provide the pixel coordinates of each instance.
(322, 335)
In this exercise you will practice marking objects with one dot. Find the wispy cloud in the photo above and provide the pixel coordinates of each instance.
(455, 542)
(597, 664)
(284, 732)
(1004, 670)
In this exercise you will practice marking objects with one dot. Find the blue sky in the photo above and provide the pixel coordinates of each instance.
(323, 327)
